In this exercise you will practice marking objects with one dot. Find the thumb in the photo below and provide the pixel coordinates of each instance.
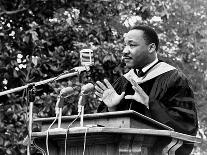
(122, 95)
(128, 97)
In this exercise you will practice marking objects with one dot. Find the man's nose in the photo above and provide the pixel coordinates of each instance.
(126, 49)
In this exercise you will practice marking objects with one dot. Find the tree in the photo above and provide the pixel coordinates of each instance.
(42, 39)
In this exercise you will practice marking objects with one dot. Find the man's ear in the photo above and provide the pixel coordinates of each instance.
(151, 47)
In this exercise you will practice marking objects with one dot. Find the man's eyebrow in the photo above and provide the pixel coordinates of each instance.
(130, 41)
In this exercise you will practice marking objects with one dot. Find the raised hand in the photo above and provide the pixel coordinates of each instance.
(107, 93)
(139, 95)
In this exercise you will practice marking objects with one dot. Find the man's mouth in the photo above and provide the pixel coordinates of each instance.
(127, 58)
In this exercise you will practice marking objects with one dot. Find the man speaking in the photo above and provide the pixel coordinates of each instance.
(151, 87)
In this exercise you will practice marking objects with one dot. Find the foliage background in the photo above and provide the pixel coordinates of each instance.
(41, 39)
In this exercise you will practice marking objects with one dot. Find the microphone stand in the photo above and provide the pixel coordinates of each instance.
(30, 99)
(60, 117)
(81, 104)
(81, 108)
(58, 111)
(39, 83)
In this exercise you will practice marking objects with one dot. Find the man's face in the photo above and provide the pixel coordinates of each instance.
(135, 53)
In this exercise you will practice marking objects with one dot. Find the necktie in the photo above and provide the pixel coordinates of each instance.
(140, 73)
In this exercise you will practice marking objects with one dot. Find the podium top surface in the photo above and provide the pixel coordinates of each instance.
(93, 130)
(116, 116)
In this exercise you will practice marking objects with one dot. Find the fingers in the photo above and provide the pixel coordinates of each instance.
(101, 85)
(98, 94)
(105, 89)
(98, 89)
(134, 83)
(136, 87)
(139, 91)
(107, 83)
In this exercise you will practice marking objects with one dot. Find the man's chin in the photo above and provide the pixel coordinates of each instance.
(128, 65)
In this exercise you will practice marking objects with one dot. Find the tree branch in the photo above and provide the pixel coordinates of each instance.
(12, 12)
(20, 10)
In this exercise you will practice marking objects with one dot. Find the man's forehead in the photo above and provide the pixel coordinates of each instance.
(132, 34)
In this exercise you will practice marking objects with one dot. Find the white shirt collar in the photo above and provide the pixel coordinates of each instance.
(149, 65)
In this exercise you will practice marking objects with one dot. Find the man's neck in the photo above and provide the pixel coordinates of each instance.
(145, 68)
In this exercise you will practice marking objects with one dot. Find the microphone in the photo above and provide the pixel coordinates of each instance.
(63, 93)
(85, 89)
(67, 91)
(86, 60)
(59, 104)
(86, 57)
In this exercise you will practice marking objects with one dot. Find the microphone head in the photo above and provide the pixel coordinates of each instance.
(86, 57)
(66, 91)
(87, 88)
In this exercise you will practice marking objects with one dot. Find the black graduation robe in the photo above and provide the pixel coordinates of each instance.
(171, 102)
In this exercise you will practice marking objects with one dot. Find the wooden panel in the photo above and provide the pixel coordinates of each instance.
(120, 119)
(125, 132)
(100, 149)
(97, 144)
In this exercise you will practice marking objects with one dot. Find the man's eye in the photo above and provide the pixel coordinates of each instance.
(132, 45)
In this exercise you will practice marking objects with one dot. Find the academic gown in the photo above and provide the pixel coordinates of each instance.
(171, 102)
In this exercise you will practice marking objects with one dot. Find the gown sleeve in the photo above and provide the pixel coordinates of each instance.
(172, 102)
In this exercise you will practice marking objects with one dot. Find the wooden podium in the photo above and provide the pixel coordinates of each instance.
(111, 133)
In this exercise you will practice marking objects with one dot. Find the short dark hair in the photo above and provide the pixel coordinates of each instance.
(150, 34)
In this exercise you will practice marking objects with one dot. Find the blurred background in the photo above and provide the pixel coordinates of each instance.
(41, 39)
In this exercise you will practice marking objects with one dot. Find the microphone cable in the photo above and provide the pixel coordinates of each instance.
(66, 136)
(47, 136)
(67, 131)
(84, 144)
